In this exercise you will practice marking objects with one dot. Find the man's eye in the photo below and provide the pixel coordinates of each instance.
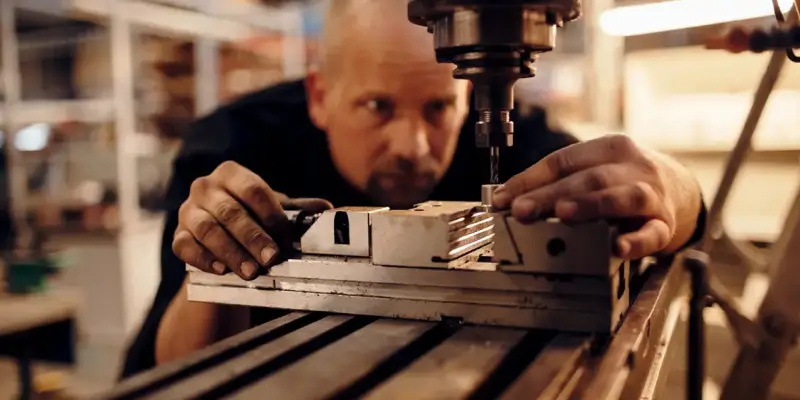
(382, 107)
(435, 110)
(437, 106)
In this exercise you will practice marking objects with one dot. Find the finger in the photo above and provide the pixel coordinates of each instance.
(651, 238)
(193, 253)
(239, 224)
(208, 232)
(251, 191)
(541, 202)
(307, 204)
(564, 162)
(635, 200)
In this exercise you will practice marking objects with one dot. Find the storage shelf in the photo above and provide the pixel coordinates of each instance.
(227, 23)
(55, 111)
(127, 265)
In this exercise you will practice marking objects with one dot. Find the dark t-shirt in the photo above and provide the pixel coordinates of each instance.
(270, 133)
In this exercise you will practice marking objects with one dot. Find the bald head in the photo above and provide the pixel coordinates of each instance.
(355, 26)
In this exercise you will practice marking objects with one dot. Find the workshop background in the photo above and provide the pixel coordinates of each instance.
(97, 95)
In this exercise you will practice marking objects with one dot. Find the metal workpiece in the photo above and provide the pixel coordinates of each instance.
(487, 194)
(347, 357)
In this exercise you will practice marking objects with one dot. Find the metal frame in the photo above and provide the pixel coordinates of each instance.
(766, 341)
(778, 321)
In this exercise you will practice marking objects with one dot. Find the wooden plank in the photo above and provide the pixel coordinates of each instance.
(339, 365)
(175, 370)
(453, 369)
(518, 317)
(201, 384)
(549, 373)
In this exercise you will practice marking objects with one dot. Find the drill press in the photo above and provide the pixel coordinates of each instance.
(448, 299)
(493, 44)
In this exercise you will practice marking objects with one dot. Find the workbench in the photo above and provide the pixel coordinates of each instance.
(38, 326)
(309, 355)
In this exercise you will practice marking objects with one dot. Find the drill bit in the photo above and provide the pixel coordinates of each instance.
(494, 165)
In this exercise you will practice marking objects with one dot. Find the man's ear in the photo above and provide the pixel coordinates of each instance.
(316, 93)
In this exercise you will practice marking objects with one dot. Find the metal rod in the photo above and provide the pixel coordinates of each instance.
(744, 144)
(696, 264)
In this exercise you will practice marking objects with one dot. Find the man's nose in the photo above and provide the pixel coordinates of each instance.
(408, 139)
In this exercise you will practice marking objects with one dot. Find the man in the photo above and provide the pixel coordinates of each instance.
(380, 123)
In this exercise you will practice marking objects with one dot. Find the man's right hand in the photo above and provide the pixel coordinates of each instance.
(230, 220)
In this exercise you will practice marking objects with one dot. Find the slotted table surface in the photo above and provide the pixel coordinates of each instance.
(309, 355)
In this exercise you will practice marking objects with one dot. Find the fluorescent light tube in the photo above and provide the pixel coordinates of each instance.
(681, 14)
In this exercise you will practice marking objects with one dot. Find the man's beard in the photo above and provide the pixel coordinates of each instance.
(402, 184)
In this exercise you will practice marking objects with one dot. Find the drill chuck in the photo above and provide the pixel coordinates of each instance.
(493, 43)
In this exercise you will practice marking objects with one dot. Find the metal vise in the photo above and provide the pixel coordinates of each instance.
(440, 260)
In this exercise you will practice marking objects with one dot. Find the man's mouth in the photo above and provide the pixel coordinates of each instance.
(404, 181)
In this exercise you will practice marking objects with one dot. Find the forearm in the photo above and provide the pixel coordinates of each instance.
(189, 326)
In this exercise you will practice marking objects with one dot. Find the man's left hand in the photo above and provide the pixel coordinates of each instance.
(655, 199)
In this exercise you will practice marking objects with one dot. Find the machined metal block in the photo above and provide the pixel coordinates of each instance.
(553, 247)
(433, 234)
(484, 297)
(342, 231)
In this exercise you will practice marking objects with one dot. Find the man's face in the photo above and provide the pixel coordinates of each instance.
(392, 116)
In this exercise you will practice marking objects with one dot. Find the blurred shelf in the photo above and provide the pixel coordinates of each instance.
(587, 131)
(753, 229)
(55, 111)
(227, 23)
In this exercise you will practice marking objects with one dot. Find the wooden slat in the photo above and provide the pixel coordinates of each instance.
(552, 369)
(173, 370)
(201, 384)
(337, 366)
(453, 369)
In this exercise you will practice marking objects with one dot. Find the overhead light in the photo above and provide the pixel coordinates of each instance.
(681, 14)
(33, 137)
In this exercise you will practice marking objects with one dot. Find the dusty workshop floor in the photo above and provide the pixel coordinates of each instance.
(98, 365)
